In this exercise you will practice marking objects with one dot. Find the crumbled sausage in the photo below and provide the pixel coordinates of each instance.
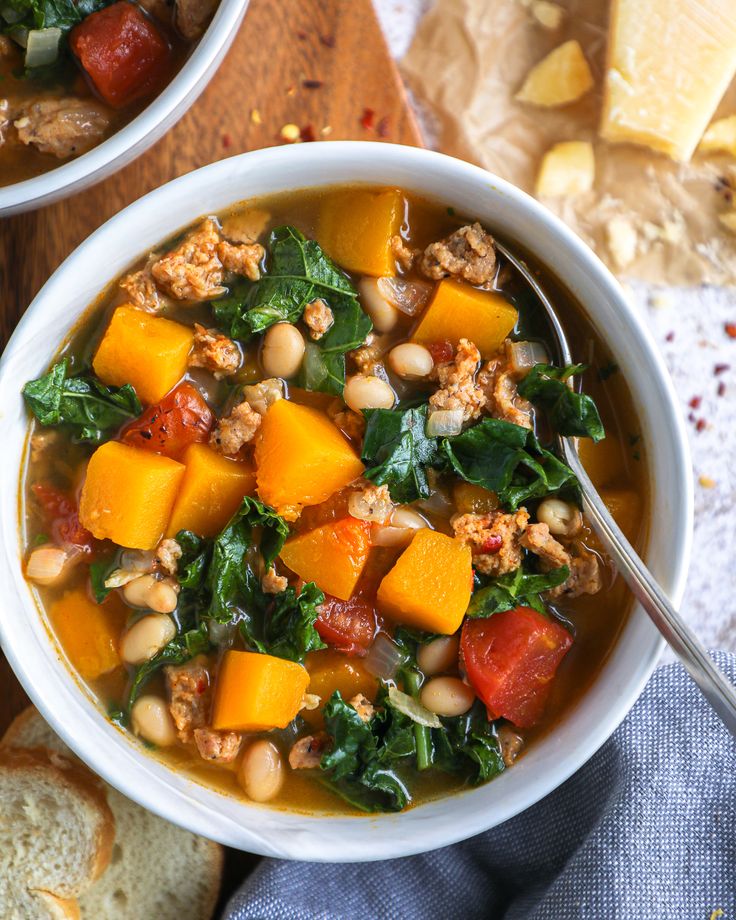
(271, 583)
(192, 16)
(63, 127)
(468, 253)
(142, 291)
(585, 574)
(310, 702)
(494, 538)
(243, 259)
(351, 423)
(367, 358)
(372, 503)
(214, 352)
(510, 743)
(216, 746)
(405, 257)
(193, 270)
(261, 396)
(318, 318)
(540, 541)
(363, 706)
(307, 752)
(168, 554)
(236, 429)
(503, 399)
(189, 697)
(458, 387)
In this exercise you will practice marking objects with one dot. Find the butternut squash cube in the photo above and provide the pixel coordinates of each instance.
(147, 351)
(88, 632)
(430, 585)
(128, 495)
(212, 489)
(256, 692)
(330, 670)
(561, 77)
(332, 556)
(603, 461)
(459, 311)
(301, 457)
(355, 229)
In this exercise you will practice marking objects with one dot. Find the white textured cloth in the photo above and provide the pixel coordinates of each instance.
(644, 830)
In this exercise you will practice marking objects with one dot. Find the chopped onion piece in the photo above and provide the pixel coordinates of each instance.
(121, 577)
(221, 634)
(442, 423)
(310, 701)
(137, 560)
(407, 296)
(20, 36)
(384, 657)
(10, 15)
(42, 47)
(524, 355)
(410, 707)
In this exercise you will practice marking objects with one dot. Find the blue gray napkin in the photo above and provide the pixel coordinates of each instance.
(646, 829)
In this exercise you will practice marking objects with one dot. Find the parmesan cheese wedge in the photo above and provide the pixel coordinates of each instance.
(669, 63)
(720, 137)
(567, 168)
(560, 78)
(548, 15)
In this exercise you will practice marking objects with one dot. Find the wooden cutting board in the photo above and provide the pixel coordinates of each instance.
(321, 65)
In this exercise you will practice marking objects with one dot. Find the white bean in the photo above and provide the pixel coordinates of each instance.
(438, 656)
(50, 565)
(283, 350)
(562, 518)
(152, 720)
(447, 696)
(154, 593)
(368, 392)
(400, 530)
(147, 637)
(383, 314)
(261, 771)
(411, 361)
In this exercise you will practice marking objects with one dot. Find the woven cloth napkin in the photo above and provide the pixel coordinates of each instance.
(646, 829)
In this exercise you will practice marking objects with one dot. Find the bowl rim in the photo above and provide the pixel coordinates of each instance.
(142, 131)
(281, 833)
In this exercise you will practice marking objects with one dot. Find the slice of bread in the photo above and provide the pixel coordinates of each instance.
(157, 870)
(56, 834)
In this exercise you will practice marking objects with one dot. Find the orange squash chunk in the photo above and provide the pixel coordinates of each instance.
(625, 507)
(257, 692)
(329, 671)
(603, 461)
(332, 556)
(128, 495)
(211, 491)
(301, 457)
(356, 226)
(88, 632)
(147, 351)
(459, 311)
(430, 585)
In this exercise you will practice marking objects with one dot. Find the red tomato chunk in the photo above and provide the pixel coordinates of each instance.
(62, 518)
(122, 51)
(510, 659)
(180, 419)
(349, 626)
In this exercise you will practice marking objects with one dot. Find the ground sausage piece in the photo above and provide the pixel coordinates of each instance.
(217, 747)
(190, 695)
(363, 706)
(235, 430)
(168, 554)
(318, 318)
(193, 16)
(214, 352)
(371, 503)
(142, 291)
(468, 254)
(307, 752)
(540, 541)
(193, 270)
(62, 127)
(405, 257)
(458, 388)
(510, 743)
(243, 259)
(271, 583)
(585, 576)
(350, 423)
(503, 399)
(494, 539)
(367, 358)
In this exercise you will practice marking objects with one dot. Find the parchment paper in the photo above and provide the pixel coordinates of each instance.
(467, 61)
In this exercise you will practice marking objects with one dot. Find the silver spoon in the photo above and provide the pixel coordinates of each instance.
(713, 685)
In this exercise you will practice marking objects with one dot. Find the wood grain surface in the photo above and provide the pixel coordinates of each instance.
(321, 65)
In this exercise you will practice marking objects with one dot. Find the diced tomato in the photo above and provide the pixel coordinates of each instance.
(122, 51)
(180, 419)
(510, 659)
(441, 352)
(62, 517)
(349, 626)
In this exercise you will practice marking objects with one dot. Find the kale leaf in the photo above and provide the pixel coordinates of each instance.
(517, 588)
(468, 742)
(396, 451)
(180, 650)
(323, 367)
(283, 624)
(91, 410)
(99, 571)
(570, 413)
(61, 14)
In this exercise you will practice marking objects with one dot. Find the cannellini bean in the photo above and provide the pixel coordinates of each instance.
(411, 361)
(399, 531)
(50, 564)
(447, 696)
(383, 314)
(147, 637)
(439, 655)
(261, 771)
(283, 350)
(562, 518)
(152, 720)
(368, 392)
(154, 593)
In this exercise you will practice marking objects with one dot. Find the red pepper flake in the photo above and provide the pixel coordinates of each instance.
(367, 118)
(721, 388)
(721, 369)
(202, 685)
(307, 134)
(312, 84)
(327, 40)
(730, 330)
(700, 424)
(695, 402)
(441, 351)
(382, 127)
(227, 141)
(491, 545)
(670, 337)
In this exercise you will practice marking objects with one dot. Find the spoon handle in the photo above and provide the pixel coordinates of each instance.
(713, 685)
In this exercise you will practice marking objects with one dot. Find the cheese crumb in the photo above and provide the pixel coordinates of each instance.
(562, 77)
(566, 169)
(622, 240)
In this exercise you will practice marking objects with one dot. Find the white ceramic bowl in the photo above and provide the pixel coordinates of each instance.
(70, 710)
(139, 134)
